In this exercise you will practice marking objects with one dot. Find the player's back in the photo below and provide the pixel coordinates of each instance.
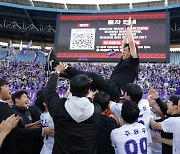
(130, 138)
(144, 118)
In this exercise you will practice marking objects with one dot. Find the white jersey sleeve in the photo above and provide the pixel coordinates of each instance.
(47, 121)
(172, 122)
(145, 116)
(116, 109)
(172, 125)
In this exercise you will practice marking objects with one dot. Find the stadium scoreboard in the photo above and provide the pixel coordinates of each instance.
(91, 36)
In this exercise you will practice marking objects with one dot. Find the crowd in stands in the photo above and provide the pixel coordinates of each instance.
(115, 118)
(159, 76)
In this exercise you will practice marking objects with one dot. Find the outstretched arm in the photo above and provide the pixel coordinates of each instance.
(130, 38)
(158, 139)
(124, 42)
(155, 125)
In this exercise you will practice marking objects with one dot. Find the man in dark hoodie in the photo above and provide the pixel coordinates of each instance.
(76, 118)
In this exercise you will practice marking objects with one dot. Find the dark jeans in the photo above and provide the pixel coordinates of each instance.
(98, 83)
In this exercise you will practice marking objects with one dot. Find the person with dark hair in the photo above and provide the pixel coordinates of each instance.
(47, 121)
(20, 107)
(125, 72)
(107, 124)
(76, 118)
(133, 92)
(35, 114)
(19, 133)
(131, 137)
(171, 111)
(170, 125)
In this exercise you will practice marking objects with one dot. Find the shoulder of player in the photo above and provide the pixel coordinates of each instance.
(117, 131)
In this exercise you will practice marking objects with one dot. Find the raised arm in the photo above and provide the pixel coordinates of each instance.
(124, 42)
(155, 125)
(158, 139)
(130, 38)
(162, 105)
(51, 96)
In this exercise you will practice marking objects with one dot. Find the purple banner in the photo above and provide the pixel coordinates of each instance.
(32, 94)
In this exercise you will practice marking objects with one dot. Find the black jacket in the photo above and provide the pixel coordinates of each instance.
(38, 142)
(71, 137)
(126, 71)
(103, 137)
(18, 134)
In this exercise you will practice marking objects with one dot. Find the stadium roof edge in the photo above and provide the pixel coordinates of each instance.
(90, 11)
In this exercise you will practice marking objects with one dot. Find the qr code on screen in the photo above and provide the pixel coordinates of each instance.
(82, 39)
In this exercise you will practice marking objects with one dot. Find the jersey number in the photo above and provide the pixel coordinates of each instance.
(131, 146)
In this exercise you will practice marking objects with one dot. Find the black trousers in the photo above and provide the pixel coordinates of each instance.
(98, 83)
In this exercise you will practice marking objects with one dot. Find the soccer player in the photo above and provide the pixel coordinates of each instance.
(166, 136)
(133, 92)
(170, 125)
(132, 136)
(125, 72)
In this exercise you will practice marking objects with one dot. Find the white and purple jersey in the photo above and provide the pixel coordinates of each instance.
(47, 121)
(130, 138)
(144, 116)
(172, 125)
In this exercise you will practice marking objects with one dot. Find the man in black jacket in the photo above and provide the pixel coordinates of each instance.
(76, 118)
(19, 133)
(126, 71)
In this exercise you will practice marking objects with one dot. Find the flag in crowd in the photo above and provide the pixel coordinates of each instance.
(36, 55)
(20, 47)
(26, 50)
(111, 53)
(10, 49)
(29, 45)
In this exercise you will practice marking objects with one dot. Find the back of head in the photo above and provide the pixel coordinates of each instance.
(102, 99)
(17, 95)
(39, 93)
(40, 100)
(79, 85)
(3, 82)
(130, 111)
(174, 99)
(134, 91)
